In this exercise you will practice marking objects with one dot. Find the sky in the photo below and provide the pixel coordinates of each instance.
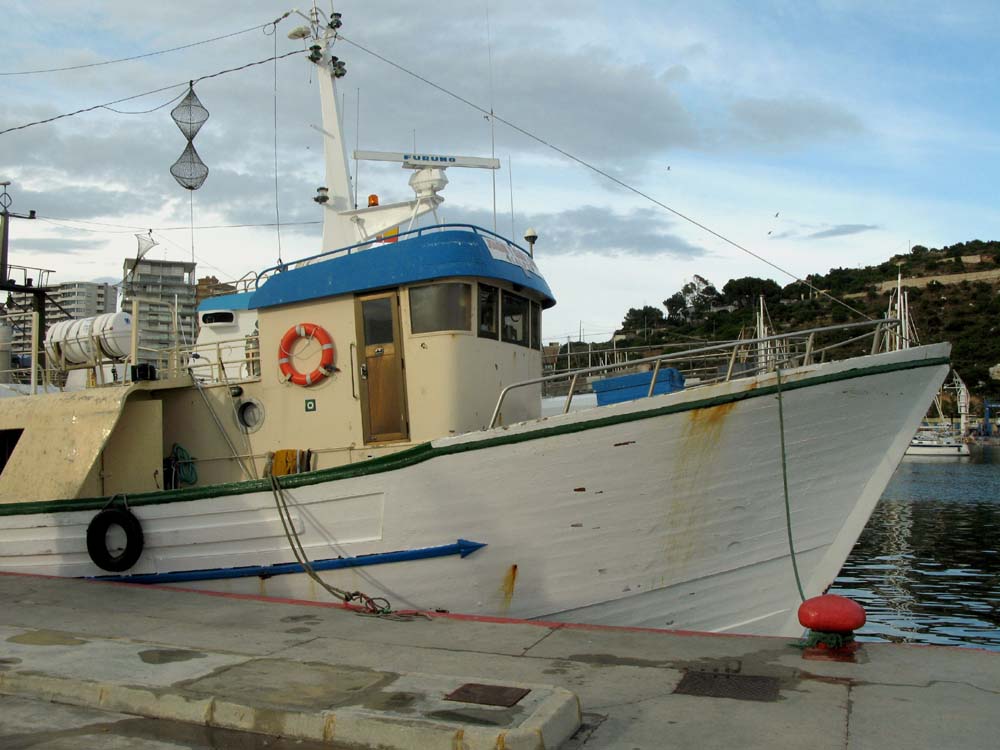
(833, 133)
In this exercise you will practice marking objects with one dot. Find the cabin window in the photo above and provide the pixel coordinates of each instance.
(536, 325)
(377, 316)
(8, 439)
(218, 317)
(489, 312)
(441, 307)
(515, 313)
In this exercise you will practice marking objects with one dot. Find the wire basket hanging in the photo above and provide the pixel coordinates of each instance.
(189, 170)
(190, 114)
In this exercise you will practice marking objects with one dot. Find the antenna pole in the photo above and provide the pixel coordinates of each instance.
(5, 216)
(357, 145)
(493, 128)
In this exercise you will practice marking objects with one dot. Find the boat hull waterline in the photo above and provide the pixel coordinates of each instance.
(663, 512)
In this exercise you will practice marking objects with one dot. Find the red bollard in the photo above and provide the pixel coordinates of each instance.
(831, 621)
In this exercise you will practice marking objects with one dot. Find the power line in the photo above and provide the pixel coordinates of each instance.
(147, 111)
(107, 105)
(134, 57)
(606, 175)
(133, 227)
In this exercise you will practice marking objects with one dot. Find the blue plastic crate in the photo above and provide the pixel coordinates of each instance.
(630, 387)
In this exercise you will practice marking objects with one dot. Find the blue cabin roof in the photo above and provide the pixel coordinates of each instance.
(422, 255)
(239, 301)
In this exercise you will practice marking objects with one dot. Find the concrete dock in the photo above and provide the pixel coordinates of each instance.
(86, 664)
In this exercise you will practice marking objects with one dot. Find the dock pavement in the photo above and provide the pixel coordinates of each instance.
(85, 664)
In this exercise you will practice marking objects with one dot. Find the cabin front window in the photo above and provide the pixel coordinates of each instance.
(515, 313)
(489, 312)
(441, 307)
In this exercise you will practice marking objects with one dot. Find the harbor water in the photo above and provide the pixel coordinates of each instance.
(927, 566)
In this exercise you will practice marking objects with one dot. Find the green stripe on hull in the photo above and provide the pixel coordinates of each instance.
(426, 451)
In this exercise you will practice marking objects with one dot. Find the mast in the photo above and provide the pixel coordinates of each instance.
(335, 196)
(345, 224)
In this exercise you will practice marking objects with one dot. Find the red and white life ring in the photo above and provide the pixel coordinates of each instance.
(301, 331)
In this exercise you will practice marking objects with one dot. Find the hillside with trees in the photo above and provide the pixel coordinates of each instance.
(964, 311)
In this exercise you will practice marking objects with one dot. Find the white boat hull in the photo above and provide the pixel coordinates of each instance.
(661, 512)
(944, 448)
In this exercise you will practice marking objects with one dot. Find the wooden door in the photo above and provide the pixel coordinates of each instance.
(380, 361)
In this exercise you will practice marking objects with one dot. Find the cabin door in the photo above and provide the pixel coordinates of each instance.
(380, 364)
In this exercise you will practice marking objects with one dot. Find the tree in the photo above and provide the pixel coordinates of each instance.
(676, 306)
(745, 291)
(639, 320)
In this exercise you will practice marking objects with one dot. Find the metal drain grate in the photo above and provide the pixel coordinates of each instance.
(487, 695)
(740, 687)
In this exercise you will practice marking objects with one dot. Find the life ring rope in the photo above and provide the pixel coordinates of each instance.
(327, 352)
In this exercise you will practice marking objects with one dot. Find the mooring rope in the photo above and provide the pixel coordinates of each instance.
(784, 480)
(372, 606)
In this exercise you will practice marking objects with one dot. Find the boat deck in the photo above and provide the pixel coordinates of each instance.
(313, 672)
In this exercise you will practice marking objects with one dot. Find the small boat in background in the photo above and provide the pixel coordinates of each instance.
(939, 439)
(931, 442)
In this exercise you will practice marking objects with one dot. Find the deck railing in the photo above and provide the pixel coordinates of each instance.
(721, 362)
(368, 244)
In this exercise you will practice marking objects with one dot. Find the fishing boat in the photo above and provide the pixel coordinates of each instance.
(367, 419)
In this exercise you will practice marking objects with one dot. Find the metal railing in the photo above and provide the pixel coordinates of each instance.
(368, 244)
(226, 360)
(720, 362)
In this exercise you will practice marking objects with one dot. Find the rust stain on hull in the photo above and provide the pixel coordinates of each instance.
(711, 418)
(694, 465)
(507, 587)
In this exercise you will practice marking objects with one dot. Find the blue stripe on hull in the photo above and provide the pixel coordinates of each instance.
(462, 548)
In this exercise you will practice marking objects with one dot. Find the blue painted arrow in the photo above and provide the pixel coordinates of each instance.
(462, 548)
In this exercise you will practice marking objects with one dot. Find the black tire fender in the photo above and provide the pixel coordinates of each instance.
(97, 545)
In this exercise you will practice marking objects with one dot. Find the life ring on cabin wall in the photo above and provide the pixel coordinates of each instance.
(302, 331)
(97, 540)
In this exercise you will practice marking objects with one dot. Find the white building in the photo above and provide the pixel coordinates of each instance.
(74, 299)
(160, 286)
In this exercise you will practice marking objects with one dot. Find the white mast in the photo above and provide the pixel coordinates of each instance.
(343, 224)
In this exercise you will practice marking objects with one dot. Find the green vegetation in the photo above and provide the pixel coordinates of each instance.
(966, 313)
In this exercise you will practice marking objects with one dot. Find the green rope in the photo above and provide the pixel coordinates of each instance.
(784, 480)
(186, 471)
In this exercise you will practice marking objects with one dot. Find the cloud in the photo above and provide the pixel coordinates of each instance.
(58, 245)
(595, 230)
(791, 120)
(842, 230)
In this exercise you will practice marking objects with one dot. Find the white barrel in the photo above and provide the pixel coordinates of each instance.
(73, 340)
(53, 340)
(114, 334)
(78, 346)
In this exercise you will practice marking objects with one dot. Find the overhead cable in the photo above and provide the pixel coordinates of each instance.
(134, 57)
(107, 105)
(598, 170)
